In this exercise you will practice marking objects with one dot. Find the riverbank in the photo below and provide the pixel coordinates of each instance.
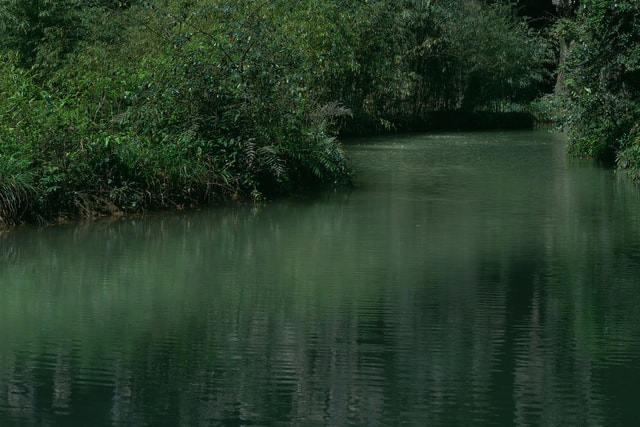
(114, 110)
(115, 179)
(127, 178)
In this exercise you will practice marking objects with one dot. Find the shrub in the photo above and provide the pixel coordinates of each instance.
(602, 83)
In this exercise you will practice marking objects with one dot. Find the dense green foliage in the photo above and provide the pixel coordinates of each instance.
(121, 106)
(601, 91)
(418, 57)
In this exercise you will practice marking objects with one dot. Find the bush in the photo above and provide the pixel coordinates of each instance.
(164, 118)
(602, 83)
(119, 106)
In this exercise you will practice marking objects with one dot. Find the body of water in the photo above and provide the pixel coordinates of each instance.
(466, 279)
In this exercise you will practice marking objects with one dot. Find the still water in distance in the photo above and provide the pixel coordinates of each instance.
(466, 279)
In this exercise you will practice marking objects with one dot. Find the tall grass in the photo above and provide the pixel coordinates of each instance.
(16, 190)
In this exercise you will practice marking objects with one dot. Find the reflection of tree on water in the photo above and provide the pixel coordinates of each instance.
(20, 391)
(122, 410)
(62, 379)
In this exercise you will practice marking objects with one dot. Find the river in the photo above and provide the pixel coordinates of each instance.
(466, 279)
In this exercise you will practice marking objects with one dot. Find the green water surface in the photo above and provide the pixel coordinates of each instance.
(466, 279)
